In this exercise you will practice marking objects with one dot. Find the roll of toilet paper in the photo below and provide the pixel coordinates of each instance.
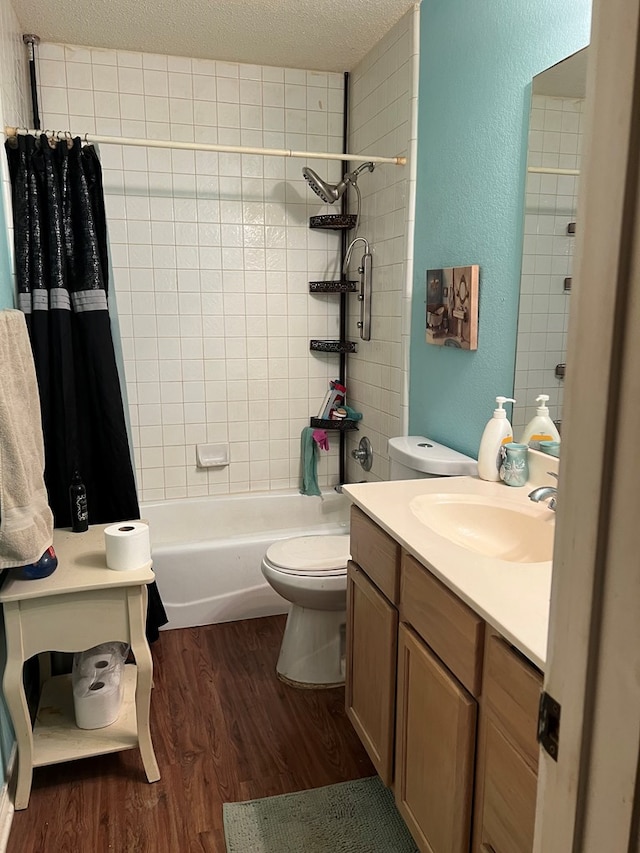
(92, 665)
(97, 701)
(127, 545)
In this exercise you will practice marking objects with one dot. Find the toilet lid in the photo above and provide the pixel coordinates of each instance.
(310, 554)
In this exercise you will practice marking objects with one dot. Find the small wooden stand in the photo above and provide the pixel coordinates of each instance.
(82, 604)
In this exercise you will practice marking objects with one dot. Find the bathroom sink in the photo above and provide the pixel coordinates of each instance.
(494, 527)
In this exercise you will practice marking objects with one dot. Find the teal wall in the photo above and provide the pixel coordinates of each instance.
(476, 64)
(6, 278)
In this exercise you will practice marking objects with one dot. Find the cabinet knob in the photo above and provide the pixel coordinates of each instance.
(487, 848)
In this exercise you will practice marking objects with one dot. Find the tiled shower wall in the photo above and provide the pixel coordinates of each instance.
(383, 98)
(555, 139)
(211, 256)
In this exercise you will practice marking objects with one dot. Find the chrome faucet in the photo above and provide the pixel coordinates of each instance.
(544, 492)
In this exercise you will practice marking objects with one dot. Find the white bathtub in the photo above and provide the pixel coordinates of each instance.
(207, 551)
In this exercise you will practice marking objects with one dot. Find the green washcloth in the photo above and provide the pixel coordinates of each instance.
(309, 458)
(352, 415)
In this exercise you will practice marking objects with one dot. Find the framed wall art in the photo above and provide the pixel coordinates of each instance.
(452, 307)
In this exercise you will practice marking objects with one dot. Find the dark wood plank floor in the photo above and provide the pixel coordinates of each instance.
(224, 729)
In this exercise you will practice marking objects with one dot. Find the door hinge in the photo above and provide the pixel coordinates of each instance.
(549, 725)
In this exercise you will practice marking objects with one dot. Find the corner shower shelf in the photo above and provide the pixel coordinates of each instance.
(333, 221)
(333, 286)
(343, 425)
(333, 346)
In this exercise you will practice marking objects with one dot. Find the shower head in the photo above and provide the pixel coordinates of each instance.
(330, 193)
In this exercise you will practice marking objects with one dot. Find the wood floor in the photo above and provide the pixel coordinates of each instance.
(224, 729)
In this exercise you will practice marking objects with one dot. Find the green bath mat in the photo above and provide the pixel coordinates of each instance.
(351, 817)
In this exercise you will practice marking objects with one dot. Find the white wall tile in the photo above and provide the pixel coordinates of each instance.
(551, 203)
(197, 243)
(380, 121)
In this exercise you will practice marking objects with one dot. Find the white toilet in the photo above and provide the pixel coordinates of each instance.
(311, 573)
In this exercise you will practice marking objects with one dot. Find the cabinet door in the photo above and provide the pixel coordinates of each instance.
(435, 743)
(508, 808)
(372, 626)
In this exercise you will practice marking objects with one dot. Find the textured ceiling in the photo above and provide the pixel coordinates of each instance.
(324, 35)
(567, 79)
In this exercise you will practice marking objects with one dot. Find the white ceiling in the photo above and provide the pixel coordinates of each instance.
(566, 79)
(323, 35)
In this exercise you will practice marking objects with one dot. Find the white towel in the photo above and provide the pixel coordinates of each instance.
(26, 522)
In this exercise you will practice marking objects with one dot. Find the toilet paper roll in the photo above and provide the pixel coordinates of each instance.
(94, 665)
(97, 702)
(127, 545)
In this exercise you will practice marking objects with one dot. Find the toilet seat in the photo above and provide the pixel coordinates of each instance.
(310, 555)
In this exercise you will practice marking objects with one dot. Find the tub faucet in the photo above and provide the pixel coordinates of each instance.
(544, 492)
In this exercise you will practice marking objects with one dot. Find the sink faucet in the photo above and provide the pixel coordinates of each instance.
(544, 492)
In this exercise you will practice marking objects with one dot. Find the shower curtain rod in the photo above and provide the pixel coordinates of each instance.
(548, 170)
(12, 132)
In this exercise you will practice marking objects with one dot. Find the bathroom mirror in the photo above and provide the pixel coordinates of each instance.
(553, 163)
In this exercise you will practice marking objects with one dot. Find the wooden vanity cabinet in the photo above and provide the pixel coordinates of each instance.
(372, 632)
(435, 745)
(445, 707)
(507, 766)
(440, 649)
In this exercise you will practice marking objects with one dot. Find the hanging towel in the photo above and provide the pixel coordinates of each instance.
(26, 522)
(321, 438)
(309, 459)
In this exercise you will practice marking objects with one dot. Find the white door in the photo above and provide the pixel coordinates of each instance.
(589, 800)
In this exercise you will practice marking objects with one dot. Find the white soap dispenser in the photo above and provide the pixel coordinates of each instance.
(497, 432)
(541, 427)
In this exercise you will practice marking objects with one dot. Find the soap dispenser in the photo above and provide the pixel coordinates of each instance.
(541, 427)
(497, 432)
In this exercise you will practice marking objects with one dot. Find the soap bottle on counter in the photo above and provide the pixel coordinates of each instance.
(541, 427)
(497, 432)
(78, 501)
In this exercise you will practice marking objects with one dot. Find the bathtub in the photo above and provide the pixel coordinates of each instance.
(207, 551)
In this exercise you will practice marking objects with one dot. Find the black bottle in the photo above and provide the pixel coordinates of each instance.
(78, 500)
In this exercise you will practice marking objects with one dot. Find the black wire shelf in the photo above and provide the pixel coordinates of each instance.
(344, 425)
(333, 221)
(333, 346)
(333, 286)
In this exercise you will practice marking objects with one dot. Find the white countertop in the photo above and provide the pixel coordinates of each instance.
(512, 597)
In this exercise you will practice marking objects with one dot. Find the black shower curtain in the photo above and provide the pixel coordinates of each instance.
(62, 275)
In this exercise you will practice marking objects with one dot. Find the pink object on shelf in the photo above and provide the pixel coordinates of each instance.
(321, 438)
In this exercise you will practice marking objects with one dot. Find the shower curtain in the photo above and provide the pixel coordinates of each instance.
(62, 277)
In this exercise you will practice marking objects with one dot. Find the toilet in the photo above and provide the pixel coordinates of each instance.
(311, 573)
(413, 456)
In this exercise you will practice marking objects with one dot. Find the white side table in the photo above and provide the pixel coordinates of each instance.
(82, 604)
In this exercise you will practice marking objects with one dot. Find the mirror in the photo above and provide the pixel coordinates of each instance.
(553, 165)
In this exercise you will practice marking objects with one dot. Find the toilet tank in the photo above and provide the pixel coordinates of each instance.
(412, 457)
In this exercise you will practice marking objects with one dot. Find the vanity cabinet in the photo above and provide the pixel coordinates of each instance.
(439, 673)
(445, 707)
(506, 779)
(372, 619)
(435, 745)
